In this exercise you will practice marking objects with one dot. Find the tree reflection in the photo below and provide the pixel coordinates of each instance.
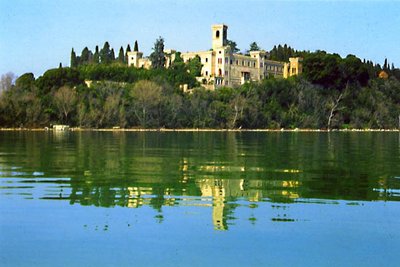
(215, 170)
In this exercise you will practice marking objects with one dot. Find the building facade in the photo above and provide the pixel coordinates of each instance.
(222, 67)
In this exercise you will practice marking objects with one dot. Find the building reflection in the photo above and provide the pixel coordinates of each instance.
(220, 175)
(198, 186)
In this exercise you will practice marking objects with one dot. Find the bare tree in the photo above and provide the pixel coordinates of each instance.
(146, 96)
(333, 107)
(237, 105)
(6, 81)
(65, 99)
(112, 108)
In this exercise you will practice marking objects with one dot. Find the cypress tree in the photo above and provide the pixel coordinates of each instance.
(158, 57)
(85, 56)
(112, 55)
(121, 55)
(96, 56)
(105, 54)
(128, 49)
(254, 47)
(74, 62)
(136, 47)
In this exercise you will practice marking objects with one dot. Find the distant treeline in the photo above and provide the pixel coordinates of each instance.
(332, 92)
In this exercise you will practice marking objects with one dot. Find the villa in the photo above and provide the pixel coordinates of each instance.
(222, 67)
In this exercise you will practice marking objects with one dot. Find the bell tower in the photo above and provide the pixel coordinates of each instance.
(219, 35)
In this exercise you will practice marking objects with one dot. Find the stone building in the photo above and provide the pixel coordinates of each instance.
(222, 67)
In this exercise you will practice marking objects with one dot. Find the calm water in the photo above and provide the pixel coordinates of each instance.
(199, 199)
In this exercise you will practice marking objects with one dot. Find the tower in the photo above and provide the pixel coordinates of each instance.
(219, 36)
(133, 58)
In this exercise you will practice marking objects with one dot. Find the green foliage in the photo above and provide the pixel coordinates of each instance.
(152, 100)
(254, 47)
(105, 54)
(282, 53)
(332, 92)
(127, 50)
(233, 46)
(86, 56)
(331, 71)
(56, 78)
(157, 57)
(96, 55)
(146, 96)
(112, 55)
(136, 47)
(121, 55)
(26, 80)
(194, 66)
(74, 62)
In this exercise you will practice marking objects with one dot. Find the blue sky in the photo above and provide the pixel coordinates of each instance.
(36, 35)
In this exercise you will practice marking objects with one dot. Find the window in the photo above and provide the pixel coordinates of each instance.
(226, 73)
(206, 59)
(231, 61)
(261, 65)
(248, 64)
(217, 34)
(219, 60)
(242, 62)
(219, 52)
(226, 60)
(254, 64)
(237, 62)
(206, 73)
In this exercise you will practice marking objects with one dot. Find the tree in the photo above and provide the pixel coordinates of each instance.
(194, 66)
(96, 56)
(121, 55)
(25, 81)
(323, 69)
(254, 47)
(6, 81)
(281, 53)
(65, 100)
(85, 55)
(146, 96)
(332, 105)
(127, 50)
(233, 46)
(112, 109)
(237, 105)
(158, 57)
(74, 62)
(136, 47)
(112, 55)
(105, 54)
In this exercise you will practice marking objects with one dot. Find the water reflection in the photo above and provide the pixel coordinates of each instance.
(218, 171)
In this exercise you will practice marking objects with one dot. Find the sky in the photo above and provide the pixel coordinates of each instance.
(37, 35)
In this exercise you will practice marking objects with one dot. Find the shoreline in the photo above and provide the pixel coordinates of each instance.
(77, 129)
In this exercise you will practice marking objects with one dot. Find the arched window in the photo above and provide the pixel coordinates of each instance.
(219, 72)
(217, 34)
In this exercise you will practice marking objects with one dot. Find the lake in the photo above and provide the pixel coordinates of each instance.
(199, 199)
